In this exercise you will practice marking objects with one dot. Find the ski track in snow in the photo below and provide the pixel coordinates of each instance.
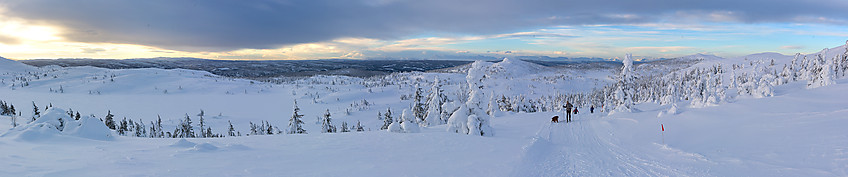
(580, 149)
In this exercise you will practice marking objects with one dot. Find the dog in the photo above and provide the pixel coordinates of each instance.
(555, 119)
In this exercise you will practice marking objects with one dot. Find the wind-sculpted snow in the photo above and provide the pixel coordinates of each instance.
(55, 124)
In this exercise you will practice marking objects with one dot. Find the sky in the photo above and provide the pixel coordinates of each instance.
(415, 29)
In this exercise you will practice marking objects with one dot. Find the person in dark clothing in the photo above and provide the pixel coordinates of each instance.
(567, 107)
(575, 111)
(592, 109)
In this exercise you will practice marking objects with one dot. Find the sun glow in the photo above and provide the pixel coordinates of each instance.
(25, 32)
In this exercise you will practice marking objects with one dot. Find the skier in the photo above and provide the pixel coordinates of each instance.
(592, 109)
(575, 111)
(567, 107)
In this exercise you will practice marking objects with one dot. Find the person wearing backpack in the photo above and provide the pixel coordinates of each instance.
(568, 107)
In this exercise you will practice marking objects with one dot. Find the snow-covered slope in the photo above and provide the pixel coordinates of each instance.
(796, 132)
(746, 138)
(8, 66)
(765, 56)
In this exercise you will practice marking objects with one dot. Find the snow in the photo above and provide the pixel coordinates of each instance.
(11, 66)
(54, 124)
(783, 130)
(409, 125)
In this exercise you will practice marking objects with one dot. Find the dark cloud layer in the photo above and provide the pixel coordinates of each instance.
(219, 25)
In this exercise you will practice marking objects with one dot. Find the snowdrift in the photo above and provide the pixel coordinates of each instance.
(56, 123)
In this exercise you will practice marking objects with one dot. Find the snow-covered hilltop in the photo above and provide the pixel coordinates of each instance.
(10, 66)
(763, 114)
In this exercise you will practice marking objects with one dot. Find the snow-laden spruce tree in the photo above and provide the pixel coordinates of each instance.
(387, 118)
(624, 92)
(327, 123)
(671, 97)
(478, 120)
(794, 68)
(231, 131)
(35, 113)
(359, 127)
(471, 118)
(435, 113)
(419, 107)
(296, 122)
(434, 116)
(493, 109)
(110, 120)
(185, 129)
(408, 125)
(828, 77)
(202, 124)
(822, 74)
(764, 87)
(709, 90)
(448, 108)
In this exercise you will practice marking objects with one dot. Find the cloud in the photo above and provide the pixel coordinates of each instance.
(791, 47)
(663, 49)
(5, 39)
(92, 50)
(226, 25)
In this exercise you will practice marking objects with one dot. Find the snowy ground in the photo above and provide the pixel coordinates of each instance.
(798, 132)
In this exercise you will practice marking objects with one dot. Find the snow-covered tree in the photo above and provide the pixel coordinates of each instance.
(327, 123)
(344, 127)
(359, 127)
(209, 133)
(122, 128)
(671, 95)
(159, 131)
(419, 108)
(202, 124)
(823, 74)
(110, 120)
(4, 109)
(186, 129)
(492, 108)
(435, 113)
(387, 119)
(478, 119)
(471, 118)
(457, 122)
(408, 125)
(140, 131)
(624, 92)
(35, 113)
(395, 127)
(231, 131)
(254, 129)
(296, 122)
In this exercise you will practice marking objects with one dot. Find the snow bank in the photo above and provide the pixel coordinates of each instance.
(204, 147)
(55, 122)
(183, 143)
(90, 128)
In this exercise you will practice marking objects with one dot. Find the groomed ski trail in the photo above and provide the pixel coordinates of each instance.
(586, 147)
